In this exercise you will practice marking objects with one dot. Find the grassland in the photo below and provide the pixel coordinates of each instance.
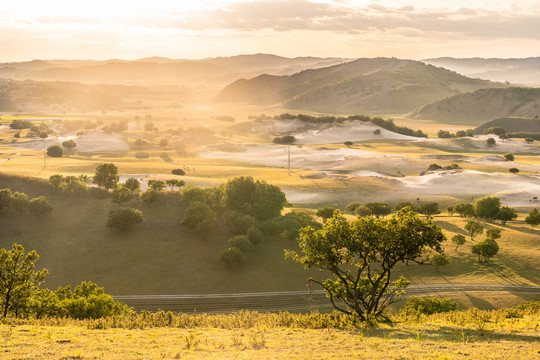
(501, 334)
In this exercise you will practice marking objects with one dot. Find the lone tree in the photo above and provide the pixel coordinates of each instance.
(513, 170)
(17, 277)
(55, 151)
(533, 218)
(458, 240)
(325, 212)
(440, 260)
(106, 176)
(474, 228)
(494, 233)
(361, 256)
(429, 208)
(231, 256)
(70, 144)
(491, 141)
(123, 218)
(509, 157)
(485, 249)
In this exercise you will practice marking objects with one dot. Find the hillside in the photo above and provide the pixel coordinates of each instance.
(379, 85)
(482, 105)
(162, 70)
(519, 71)
(512, 124)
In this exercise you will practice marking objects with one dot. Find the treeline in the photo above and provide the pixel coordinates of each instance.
(387, 124)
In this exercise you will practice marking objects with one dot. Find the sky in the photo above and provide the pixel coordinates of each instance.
(413, 29)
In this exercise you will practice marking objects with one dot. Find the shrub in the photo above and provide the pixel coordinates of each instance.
(509, 157)
(196, 213)
(231, 256)
(55, 151)
(429, 305)
(491, 141)
(513, 170)
(255, 235)
(123, 218)
(485, 249)
(178, 172)
(151, 197)
(40, 206)
(237, 222)
(241, 242)
(351, 207)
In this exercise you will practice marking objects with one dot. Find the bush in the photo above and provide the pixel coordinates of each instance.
(232, 255)
(237, 222)
(151, 197)
(509, 157)
(255, 235)
(491, 141)
(241, 242)
(178, 172)
(351, 207)
(513, 170)
(123, 218)
(55, 151)
(428, 305)
(40, 206)
(196, 213)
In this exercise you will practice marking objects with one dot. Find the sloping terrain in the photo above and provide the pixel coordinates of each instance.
(379, 85)
(162, 70)
(520, 71)
(482, 105)
(512, 124)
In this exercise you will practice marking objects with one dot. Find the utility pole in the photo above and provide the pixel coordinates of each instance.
(289, 160)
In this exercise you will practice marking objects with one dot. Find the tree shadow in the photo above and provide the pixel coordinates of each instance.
(450, 227)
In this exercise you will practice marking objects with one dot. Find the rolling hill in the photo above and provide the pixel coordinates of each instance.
(162, 70)
(371, 86)
(512, 124)
(482, 105)
(520, 71)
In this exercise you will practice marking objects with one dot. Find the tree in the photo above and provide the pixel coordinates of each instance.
(491, 141)
(513, 170)
(465, 210)
(106, 176)
(40, 206)
(18, 279)
(192, 193)
(241, 242)
(529, 140)
(488, 208)
(70, 144)
(231, 256)
(55, 151)
(403, 204)
(533, 218)
(429, 208)
(5, 198)
(348, 143)
(494, 233)
(363, 211)
(178, 172)
(379, 208)
(157, 185)
(458, 240)
(474, 228)
(132, 184)
(506, 214)
(509, 157)
(361, 257)
(20, 201)
(440, 260)
(351, 207)
(325, 212)
(164, 142)
(485, 249)
(121, 194)
(444, 134)
(196, 213)
(123, 218)
(151, 197)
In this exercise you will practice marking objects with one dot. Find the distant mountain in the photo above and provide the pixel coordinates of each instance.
(512, 124)
(220, 71)
(482, 105)
(370, 86)
(518, 71)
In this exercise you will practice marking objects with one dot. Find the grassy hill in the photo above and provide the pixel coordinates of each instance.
(512, 124)
(482, 105)
(379, 85)
(160, 256)
(519, 71)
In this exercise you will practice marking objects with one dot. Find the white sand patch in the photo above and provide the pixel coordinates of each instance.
(350, 131)
(369, 173)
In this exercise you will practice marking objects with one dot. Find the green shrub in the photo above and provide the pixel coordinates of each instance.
(255, 235)
(429, 305)
(241, 242)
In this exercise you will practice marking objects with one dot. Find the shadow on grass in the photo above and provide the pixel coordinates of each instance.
(525, 230)
(451, 227)
(447, 333)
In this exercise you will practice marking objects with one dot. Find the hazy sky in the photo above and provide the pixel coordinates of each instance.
(416, 29)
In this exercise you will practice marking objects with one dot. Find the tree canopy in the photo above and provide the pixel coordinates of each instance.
(362, 255)
(106, 175)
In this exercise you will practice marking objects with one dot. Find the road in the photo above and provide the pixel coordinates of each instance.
(294, 301)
